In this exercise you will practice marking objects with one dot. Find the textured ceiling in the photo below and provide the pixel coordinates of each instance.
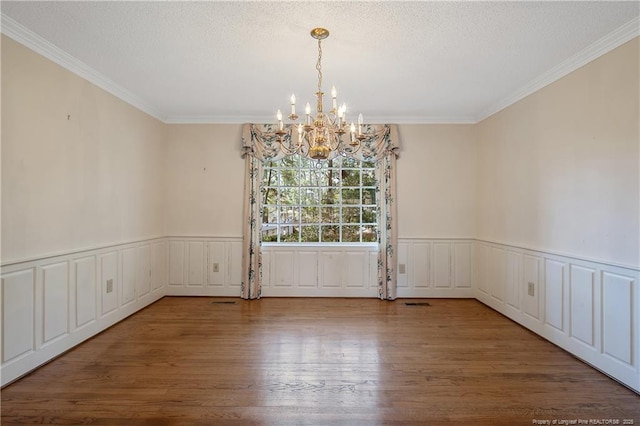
(393, 61)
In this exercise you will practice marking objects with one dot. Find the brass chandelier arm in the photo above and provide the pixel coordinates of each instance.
(320, 137)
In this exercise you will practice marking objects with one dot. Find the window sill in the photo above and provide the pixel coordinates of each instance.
(321, 245)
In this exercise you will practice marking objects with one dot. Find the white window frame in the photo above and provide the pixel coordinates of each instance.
(277, 219)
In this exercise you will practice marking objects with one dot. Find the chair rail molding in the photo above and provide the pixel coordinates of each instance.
(587, 307)
(50, 304)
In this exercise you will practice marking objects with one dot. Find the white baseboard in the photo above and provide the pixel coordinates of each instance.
(589, 308)
(52, 304)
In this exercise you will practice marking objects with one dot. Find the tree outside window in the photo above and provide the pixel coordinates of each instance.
(304, 203)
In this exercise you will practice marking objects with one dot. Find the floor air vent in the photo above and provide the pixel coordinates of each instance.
(417, 303)
(223, 302)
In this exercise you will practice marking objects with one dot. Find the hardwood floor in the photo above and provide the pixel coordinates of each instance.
(282, 361)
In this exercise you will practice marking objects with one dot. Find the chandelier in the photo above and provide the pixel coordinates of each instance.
(321, 137)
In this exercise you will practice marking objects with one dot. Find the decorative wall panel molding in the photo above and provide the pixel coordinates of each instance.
(430, 267)
(128, 273)
(18, 313)
(617, 316)
(591, 309)
(555, 307)
(462, 272)
(50, 305)
(514, 268)
(530, 289)
(176, 263)
(109, 280)
(85, 291)
(319, 271)
(55, 301)
(582, 304)
(482, 273)
(204, 266)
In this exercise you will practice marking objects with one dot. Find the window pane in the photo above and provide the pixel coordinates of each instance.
(306, 163)
(269, 177)
(351, 214)
(289, 234)
(320, 178)
(289, 215)
(350, 177)
(310, 214)
(306, 200)
(310, 196)
(351, 196)
(323, 177)
(368, 164)
(289, 196)
(333, 178)
(269, 214)
(336, 162)
(310, 234)
(308, 178)
(369, 196)
(289, 177)
(330, 215)
(270, 196)
(329, 196)
(269, 232)
(351, 234)
(350, 163)
(369, 234)
(368, 178)
(331, 234)
(369, 215)
(290, 161)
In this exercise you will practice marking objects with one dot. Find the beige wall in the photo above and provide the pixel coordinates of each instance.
(80, 168)
(436, 181)
(559, 170)
(556, 171)
(205, 181)
(204, 178)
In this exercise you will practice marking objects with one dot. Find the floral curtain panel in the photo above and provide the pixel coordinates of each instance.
(259, 145)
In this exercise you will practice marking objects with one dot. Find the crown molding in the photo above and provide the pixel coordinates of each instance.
(616, 38)
(217, 119)
(225, 119)
(33, 41)
(420, 119)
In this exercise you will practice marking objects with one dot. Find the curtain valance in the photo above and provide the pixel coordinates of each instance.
(259, 144)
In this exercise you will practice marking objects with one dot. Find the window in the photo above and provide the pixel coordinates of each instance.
(304, 201)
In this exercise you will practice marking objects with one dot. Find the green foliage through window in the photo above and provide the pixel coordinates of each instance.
(302, 202)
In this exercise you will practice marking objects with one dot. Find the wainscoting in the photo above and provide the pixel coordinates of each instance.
(312, 271)
(51, 304)
(204, 266)
(586, 307)
(212, 267)
(435, 268)
(589, 308)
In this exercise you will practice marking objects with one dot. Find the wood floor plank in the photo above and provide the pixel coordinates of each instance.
(315, 361)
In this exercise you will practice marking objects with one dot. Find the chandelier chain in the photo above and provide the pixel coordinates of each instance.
(320, 137)
(319, 66)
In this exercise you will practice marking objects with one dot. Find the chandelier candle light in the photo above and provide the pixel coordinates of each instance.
(320, 137)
